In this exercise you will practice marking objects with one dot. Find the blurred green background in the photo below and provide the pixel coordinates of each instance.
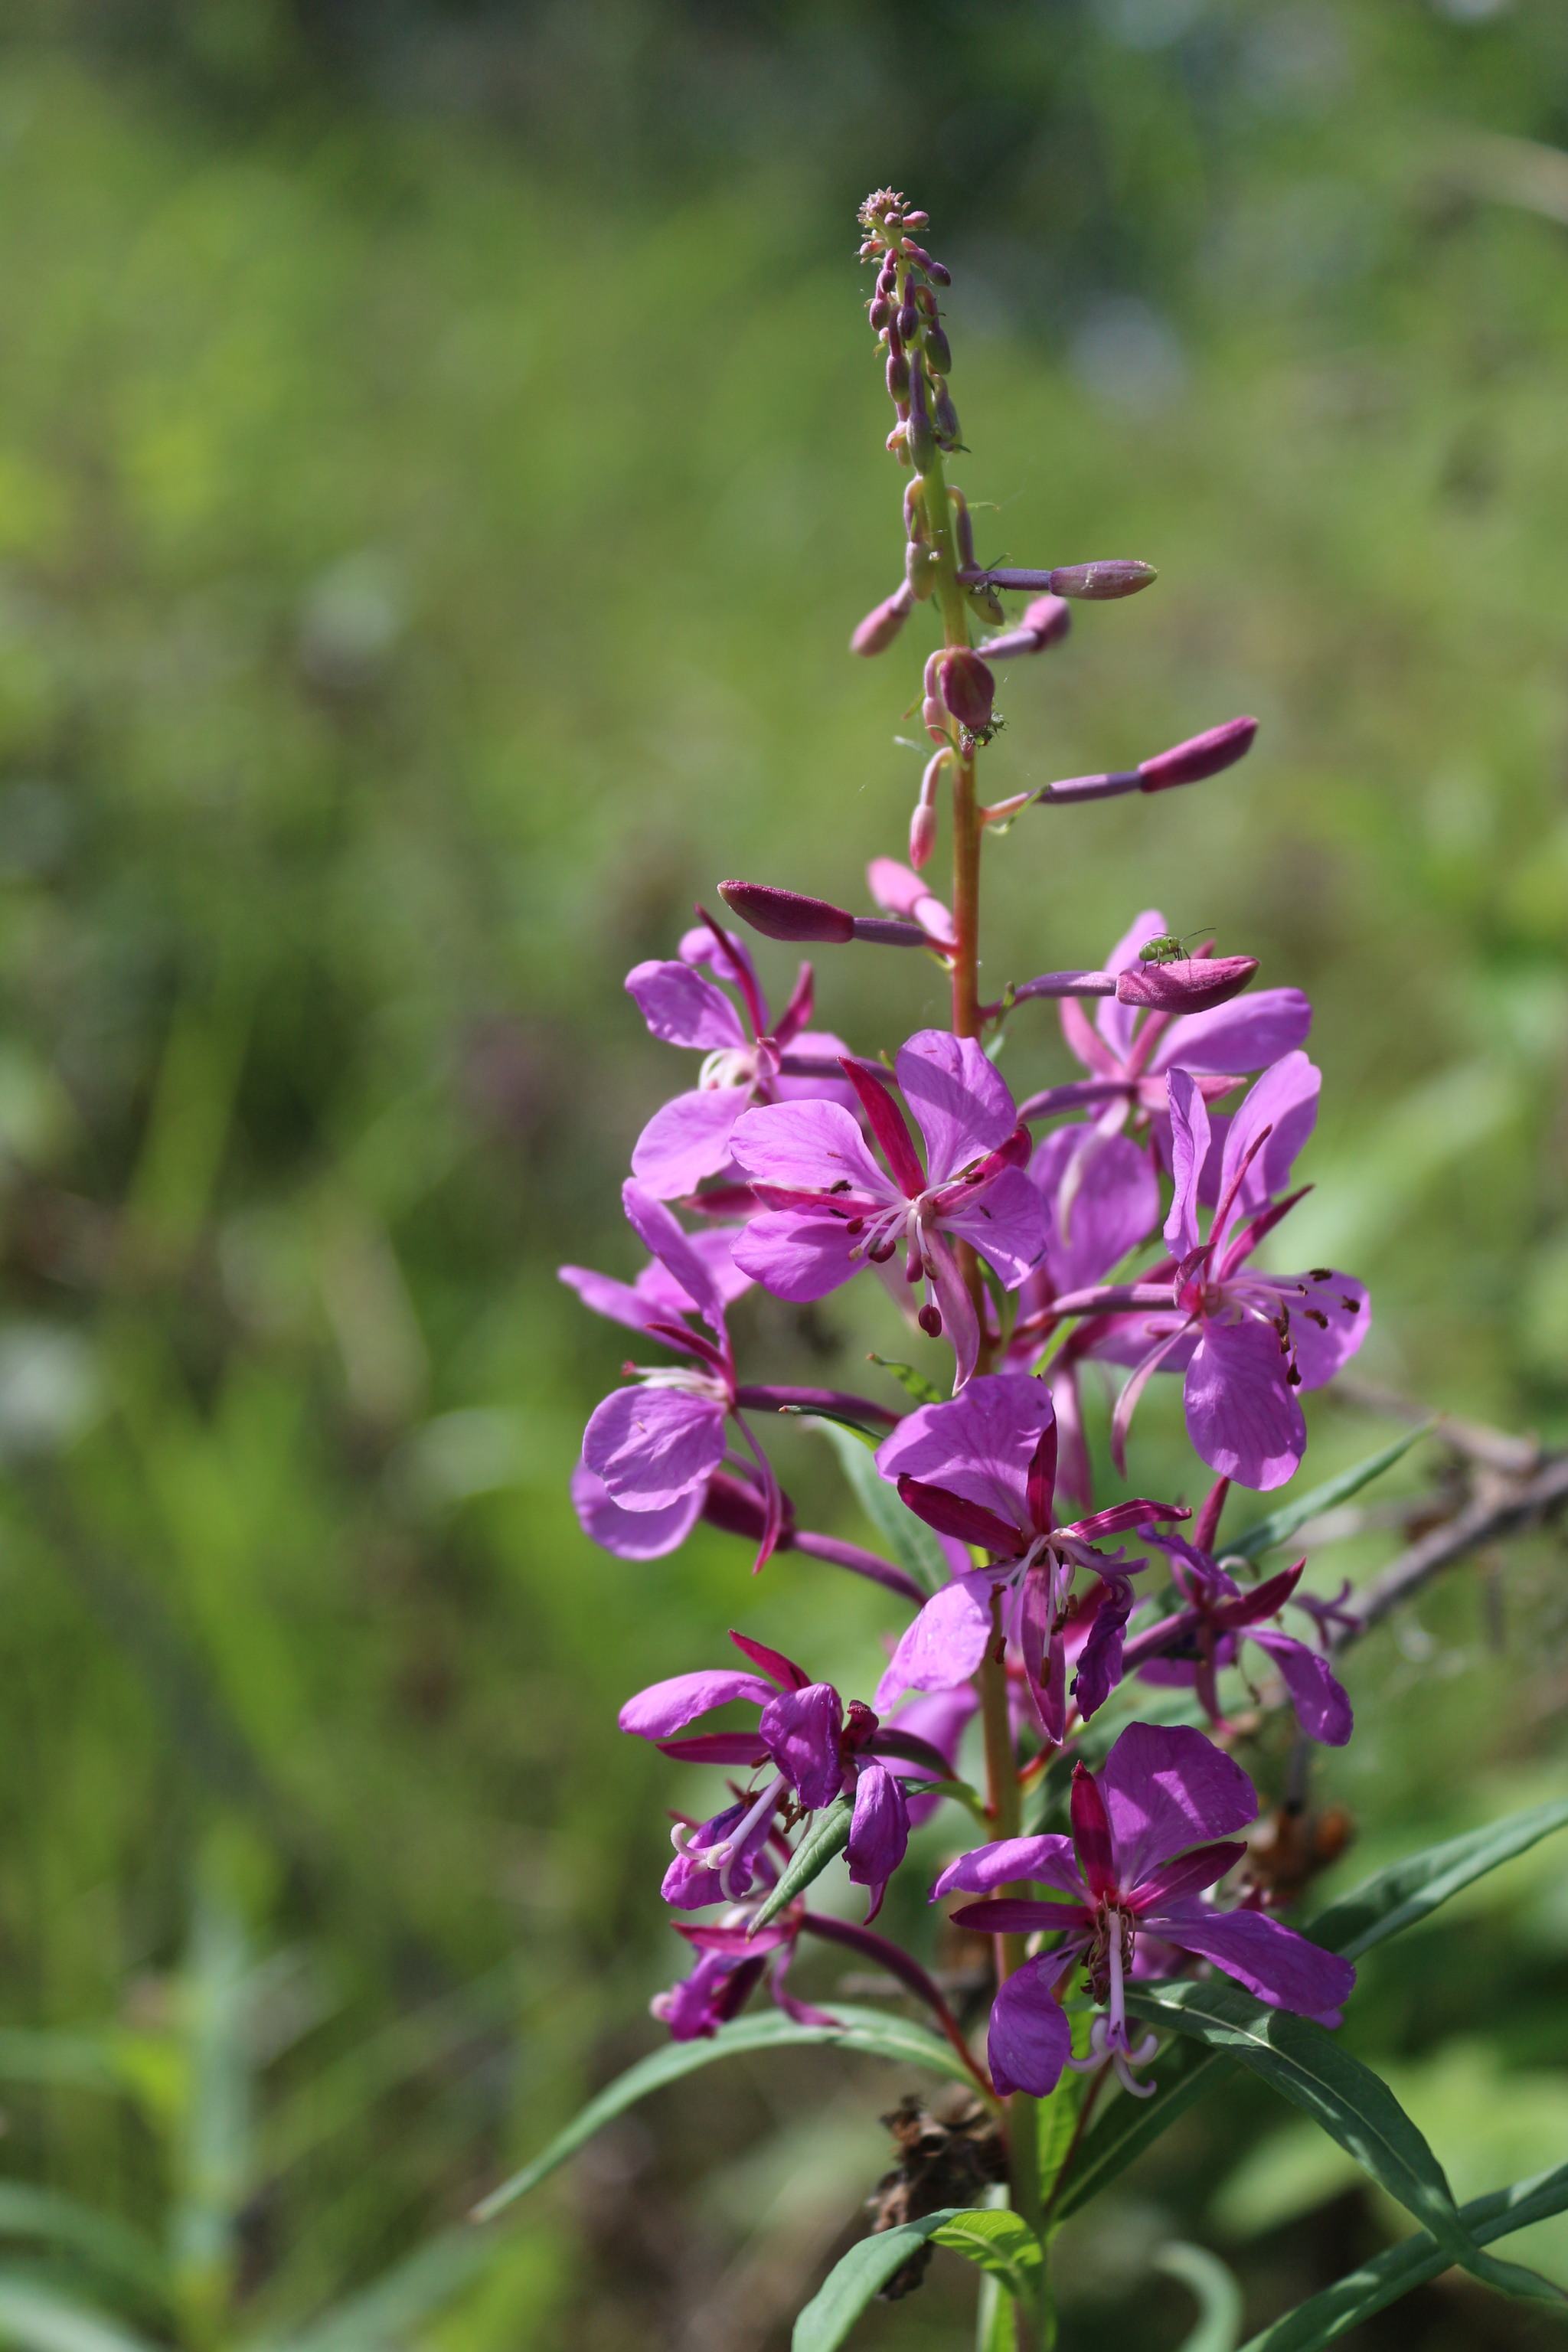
(440, 466)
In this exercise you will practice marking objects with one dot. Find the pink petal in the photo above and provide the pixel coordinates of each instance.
(945, 1645)
(713, 1246)
(978, 1445)
(1235, 1039)
(1005, 1222)
(1116, 1021)
(799, 1729)
(1318, 1696)
(1320, 1354)
(659, 1233)
(879, 1831)
(958, 1322)
(796, 1256)
(1189, 1150)
(1014, 1861)
(619, 1300)
(631, 1535)
(1029, 2041)
(664, 1708)
(650, 1446)
(1167, 1788)
(1270, 1958)
(683, 1009)
(959, 1103)
(1241, 1414)
(808, 1147)
(1115, 1205)
(687, 1139)
(1284, 1098)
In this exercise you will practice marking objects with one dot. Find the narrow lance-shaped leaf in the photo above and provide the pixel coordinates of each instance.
(859, 2278)
(34, 2316)
(1282, 1525)
(866, 2030)
(1218, 2296)
(823, 1842)
(912, 1543)
(1362, 2293)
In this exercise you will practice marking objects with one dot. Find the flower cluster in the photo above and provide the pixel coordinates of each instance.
(1125, 1219)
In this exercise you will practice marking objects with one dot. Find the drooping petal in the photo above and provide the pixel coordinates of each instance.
(619, 1300)
(1242, 1415)
(1189, 1150)
(809, 1146)
(683, 1009)
(1285, 1100)
(1115, 1204)
(782, 1671)
(978, 1445)
(687, 1139)
(1232, 1039)
(796, 1256)
(664, 1708)
(1005, 1221)
(1322, 1709)
(1322, 1348)
(1167, 1788)
(1270, 1958)
(659, 1233)
(651, 1445)
(959, 1321)
(879, 1831)
(696, 2006)
(714, 1247)
(956, 1096)
(1013, 1861)
(631, 1535)
(1073, 1475)
(1029, 2041)
(945, 1643)
(1114, 1021)
(1099, 1663)
(800, 1730)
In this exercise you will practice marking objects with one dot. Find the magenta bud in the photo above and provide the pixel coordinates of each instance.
(962, 528)
(882, 310)
(909, 321)
(946, 417)
(934, 716)
(1191, 986)
(968, 688)
(881, 625)
(922, 835)
(1200, 756)
(898, 375)
(888, 278)
(922, 439)
(787, 914)
(939, 273)
(939, 350)
(1118, 576)
(1047, 619)
(916, 220)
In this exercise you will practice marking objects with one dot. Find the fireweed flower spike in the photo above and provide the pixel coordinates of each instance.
(1150, 1834)
(983, 1469)
(1246, 1340)
(831, 1208)
(818, 1749)
(748, 1055)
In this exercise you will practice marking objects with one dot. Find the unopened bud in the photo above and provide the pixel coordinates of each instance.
(922, 835)
(922, 439)
(962, 528)
(939, 350)
(1118, 576)
(946, 417)
(898, 375)
(888, 278)
(894, 886)
(938, 274)
(917, 220)
(1048, 619)
(898, 443)
(914, 511)
(1200, 756)
(881, 625)
(968, 688)
(787, 914)
(923, 567)
(929, 1320)
(882, 310)
(909, 321)
(1191, 986)
(933, 717)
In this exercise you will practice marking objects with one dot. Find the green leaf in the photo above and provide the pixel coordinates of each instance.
(42, 2056)
(995, 2330)
(913, 1544)
(1218, 2295)
(1378, 2283)
(923, 1392)
(109, 2244)
(1000, 2243)
(822, 1843)
(1282, 1524)
(855, 2281)
(1408, 1890)
(830, 1416)
(1184, 2073)
(387, 2311)
(35, 2318)
(1308, 2066)
(866, 2030)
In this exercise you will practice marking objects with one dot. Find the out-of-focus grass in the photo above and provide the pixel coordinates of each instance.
(420, 578)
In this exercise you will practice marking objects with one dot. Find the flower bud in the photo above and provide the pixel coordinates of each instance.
(1191, 986)
(923, 833)
(933, 717)
(882, 310)
(922, 439)
(898, 443)
(948, 432)
(898, 375)
(916, 220)
(939, 350)
(962, 530)
(909, 321)
(1048, 619)
(922, 567)
(888, 278)
(1200, 756)
(881, 625)
(787, 914)
(968, 688)
(1118, 576)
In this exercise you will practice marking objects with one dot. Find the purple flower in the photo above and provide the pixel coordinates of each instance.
(982, 1469)
(652, 1448)
(1141, 1852)
(1189, 1649)
(731, 1958)
(1129, 1062)
(831, 1208)
(819, 1750)
(1246, 1340)
(747, 1056)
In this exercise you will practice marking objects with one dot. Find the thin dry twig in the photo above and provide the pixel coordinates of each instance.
(1503, 1508)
